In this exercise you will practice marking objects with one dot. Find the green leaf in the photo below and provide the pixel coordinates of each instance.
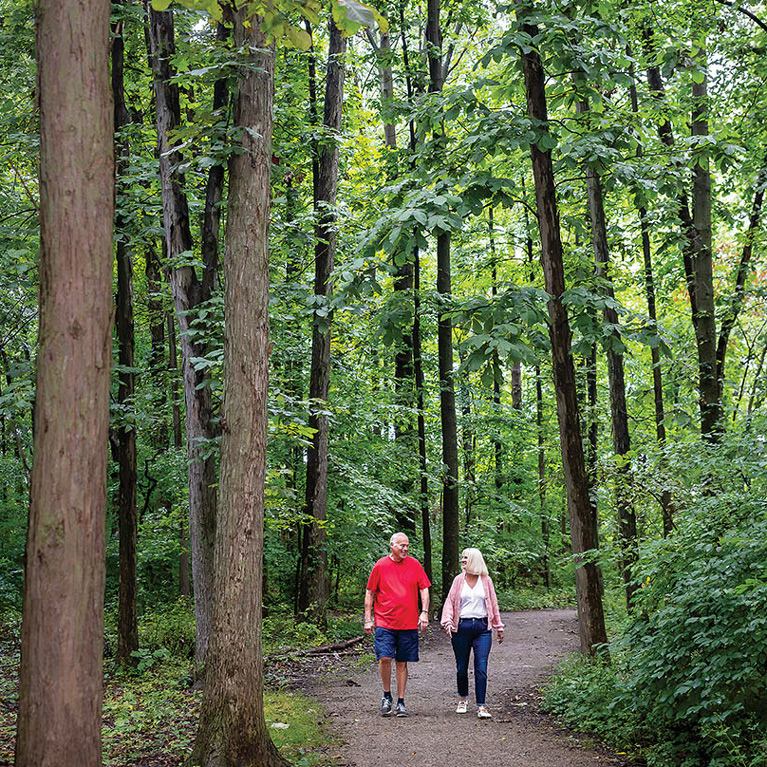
(350, 15)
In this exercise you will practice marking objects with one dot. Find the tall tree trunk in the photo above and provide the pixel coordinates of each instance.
(496, 362)
(711, 421)
(418, 374)
(157, 364)
(188, 293)
(697, 252)
(232, 728)
(184, 574)
(313, 593)
(667, 508)
(60, 685)
(590, 612)
(468, 445)
(734, 305)
(420, 388)
(627, 527)
(545, 531)
(403, 287)
(127, 617)
(450, 499)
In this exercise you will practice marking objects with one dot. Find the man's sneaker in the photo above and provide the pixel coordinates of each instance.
(401, 710)
(386, 704)
(483, 713)
(462, 706)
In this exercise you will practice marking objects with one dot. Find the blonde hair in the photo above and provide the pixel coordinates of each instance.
(475, 562)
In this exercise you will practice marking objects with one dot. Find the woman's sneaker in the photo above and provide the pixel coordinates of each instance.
(483, 713)
(462, 707)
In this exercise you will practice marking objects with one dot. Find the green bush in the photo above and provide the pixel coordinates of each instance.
(686, 681)
(171, 627)
(696, 654)
(587, 696)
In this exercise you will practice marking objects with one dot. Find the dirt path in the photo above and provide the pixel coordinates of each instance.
(434, 734)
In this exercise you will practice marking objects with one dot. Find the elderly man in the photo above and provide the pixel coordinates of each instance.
(394, 587)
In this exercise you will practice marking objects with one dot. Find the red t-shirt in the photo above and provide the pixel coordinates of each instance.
(396, 586)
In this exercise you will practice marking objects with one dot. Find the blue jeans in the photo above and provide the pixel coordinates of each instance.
(472, 634)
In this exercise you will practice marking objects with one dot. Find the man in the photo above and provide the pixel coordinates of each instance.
(394, 586)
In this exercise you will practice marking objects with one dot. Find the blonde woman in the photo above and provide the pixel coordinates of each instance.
(468, 617)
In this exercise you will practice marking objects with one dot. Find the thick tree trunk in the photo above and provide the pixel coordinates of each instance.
(188, 293)
(60, 687)
(313, 591)
(590, 611)
(127, 617)
(233, 731)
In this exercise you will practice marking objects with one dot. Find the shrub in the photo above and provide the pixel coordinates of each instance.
(171, 627)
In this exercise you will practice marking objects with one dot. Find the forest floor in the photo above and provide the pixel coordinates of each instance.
(519, 734)
(151, 722)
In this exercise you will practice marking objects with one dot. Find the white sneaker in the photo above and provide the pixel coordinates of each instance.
(483, 713)
(461, 707)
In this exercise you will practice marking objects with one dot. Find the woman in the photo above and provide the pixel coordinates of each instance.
(468, 617)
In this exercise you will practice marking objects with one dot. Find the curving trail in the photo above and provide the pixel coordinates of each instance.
(434, 735)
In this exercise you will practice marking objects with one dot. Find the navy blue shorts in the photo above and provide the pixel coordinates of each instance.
(400, 644)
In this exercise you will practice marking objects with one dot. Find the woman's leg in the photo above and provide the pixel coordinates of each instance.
(481, 644)
(461, 641)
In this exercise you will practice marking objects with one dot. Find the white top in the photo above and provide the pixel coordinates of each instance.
(473, 600)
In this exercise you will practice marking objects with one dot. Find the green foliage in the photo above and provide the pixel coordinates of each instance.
(688, 666)
(167, 630)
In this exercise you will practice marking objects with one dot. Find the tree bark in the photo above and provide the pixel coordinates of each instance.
(188, 293)
(232, 728)
(404, 433)
(733, 307)
(127, 618)
(590, 612)
(420, 388)
(667, 506)
(60, 687)
(448, 420)
(496, 362)
(314, 587)
(627, 527)
(418, 374)
(702, 267)
(157, 365)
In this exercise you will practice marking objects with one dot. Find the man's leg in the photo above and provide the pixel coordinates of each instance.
(401, 671)
(384, 667)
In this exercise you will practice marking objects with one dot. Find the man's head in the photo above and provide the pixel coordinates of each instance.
(399, 545)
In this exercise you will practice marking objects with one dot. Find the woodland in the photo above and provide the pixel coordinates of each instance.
(281, 278)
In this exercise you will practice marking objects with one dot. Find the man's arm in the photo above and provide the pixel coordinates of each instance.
(369, 624)
(423, 618)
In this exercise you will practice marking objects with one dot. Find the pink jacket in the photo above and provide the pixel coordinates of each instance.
(451, 612)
